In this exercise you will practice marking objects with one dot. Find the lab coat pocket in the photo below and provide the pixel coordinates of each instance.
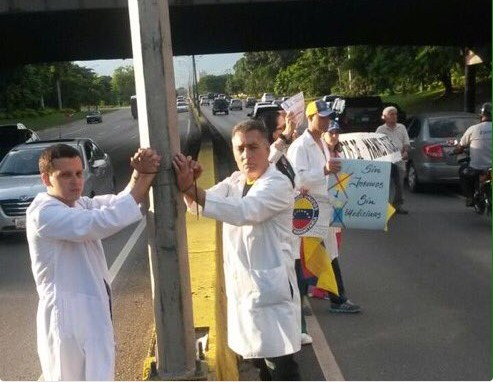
(84, 316)
(269, 286)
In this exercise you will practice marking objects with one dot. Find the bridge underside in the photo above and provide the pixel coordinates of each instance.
(248, 26)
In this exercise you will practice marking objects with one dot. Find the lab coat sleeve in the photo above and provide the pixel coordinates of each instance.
(57, 221)
(311, 177)
(222, 189)
(271, 197)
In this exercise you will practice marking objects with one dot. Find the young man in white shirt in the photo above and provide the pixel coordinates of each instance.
(64, 232)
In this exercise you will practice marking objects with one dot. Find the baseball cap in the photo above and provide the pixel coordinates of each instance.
(333, 126)
(318, 107)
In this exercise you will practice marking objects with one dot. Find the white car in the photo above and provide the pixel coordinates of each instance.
(20, 181)
(181, 107)
(268, 97)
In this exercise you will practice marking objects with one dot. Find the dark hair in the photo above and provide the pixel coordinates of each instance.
(57, 151)
(250, 125)
(269, 119)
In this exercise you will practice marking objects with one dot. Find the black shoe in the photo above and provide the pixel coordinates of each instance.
(345, 307)
(469, 202)
(401, 211)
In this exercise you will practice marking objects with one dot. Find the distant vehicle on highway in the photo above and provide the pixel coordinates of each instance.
(133, 106)
(235, 104)
(358, 114)
(13, 134)
(429, 160)
(181, 106)
(20, 181)
(250, 102)
(204, 101)
(220, 105)
(94, 117)
(267, 97)
(262, 107)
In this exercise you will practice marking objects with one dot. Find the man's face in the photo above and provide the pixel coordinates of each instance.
(281, 125)
(66, 182)
(390, 117)
(319, 124)
(251, 151)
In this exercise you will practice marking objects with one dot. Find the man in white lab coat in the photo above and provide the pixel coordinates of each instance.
(255, 205)
(312, 162)
(64, 232)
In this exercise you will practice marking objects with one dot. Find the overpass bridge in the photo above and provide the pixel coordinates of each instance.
(61, 30)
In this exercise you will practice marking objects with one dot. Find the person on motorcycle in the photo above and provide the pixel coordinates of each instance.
(478, 139)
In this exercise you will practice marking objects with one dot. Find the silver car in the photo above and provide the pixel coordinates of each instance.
(429, 158)
(20, 181)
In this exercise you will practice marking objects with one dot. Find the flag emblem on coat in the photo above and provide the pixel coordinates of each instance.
(305, 214)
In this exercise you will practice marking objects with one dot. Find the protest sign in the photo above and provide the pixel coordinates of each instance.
(359, 194)
(369, 146)
(296, 104)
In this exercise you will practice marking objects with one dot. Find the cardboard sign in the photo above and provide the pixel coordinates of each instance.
(369, 146)
(296, 104)
(359, 194)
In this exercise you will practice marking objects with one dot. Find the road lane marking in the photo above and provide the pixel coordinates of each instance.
(324, 355)
(122, 256)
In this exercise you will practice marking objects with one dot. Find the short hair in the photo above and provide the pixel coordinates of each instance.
(269, 120)
(250, 125)
(57, 151)
(388, 109)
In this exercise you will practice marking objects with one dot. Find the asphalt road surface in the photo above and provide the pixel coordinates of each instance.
(424, 287)
(132, 312)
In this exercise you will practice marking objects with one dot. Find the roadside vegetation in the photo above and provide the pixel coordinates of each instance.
(416, 78)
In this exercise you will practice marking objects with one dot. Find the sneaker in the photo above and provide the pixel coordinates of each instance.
(345, 307)
(401, 211)
(306, 339)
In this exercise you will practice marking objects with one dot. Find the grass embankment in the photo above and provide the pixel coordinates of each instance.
(51, 120)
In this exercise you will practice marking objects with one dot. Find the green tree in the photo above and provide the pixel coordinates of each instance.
(123, 84)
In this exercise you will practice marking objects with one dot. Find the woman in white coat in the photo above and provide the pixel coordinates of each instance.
(255, 205)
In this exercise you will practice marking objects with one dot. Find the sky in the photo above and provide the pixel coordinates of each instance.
(210, 64)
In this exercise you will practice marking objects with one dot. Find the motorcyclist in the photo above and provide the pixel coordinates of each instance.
(478, 139)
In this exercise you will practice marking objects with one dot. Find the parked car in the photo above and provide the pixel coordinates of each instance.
(94, 117)
(262, 107)
(204, 101)
(429, 160)
(235, 104)
(20, 181)
(181, 106)
(220, 105)
(330, 97)
(250, 102)
(267, 97)
(13, 134)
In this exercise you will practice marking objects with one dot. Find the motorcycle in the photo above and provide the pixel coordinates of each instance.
(482, 183)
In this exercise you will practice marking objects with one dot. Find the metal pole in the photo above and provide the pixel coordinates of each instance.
(171, 290)
(469, 88)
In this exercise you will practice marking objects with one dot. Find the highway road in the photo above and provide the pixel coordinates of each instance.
(424, 287)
